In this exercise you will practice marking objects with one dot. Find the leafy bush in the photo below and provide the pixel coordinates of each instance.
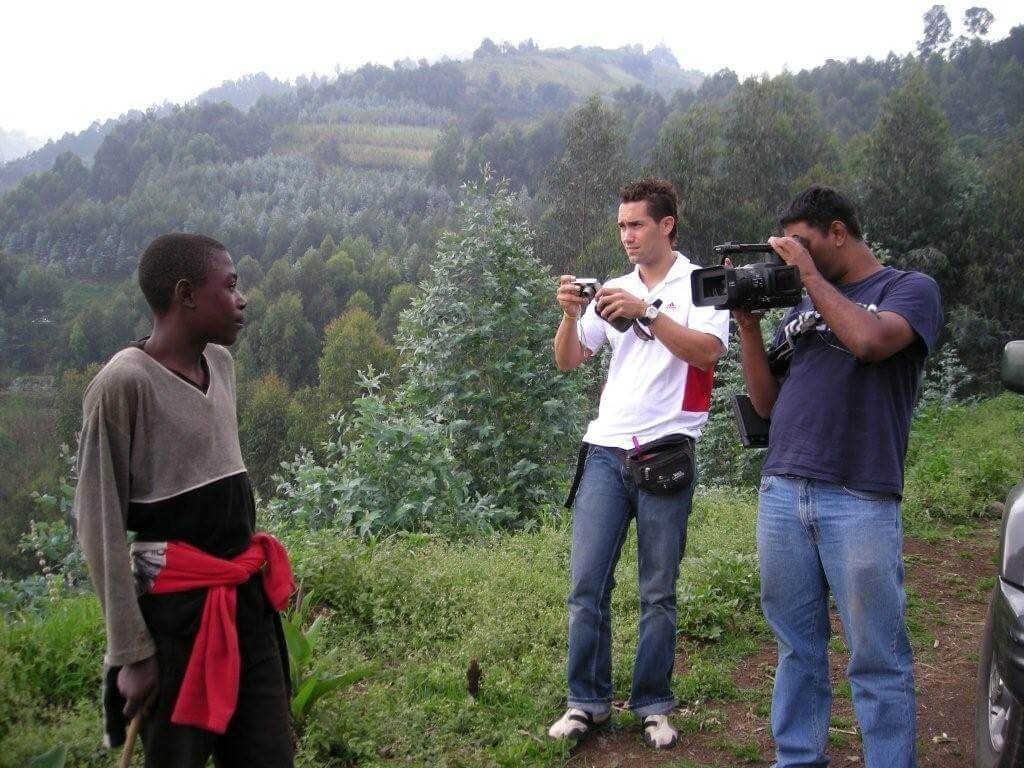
(477, 380)
(398, 473)
(53, 547)
(715, 594)
(945, 381)
(478, 360)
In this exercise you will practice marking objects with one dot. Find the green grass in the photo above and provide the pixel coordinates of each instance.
(362, 144)
(582, 71)
(962, 459)
(417, 609)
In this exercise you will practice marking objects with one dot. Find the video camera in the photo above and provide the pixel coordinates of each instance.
(764, 285)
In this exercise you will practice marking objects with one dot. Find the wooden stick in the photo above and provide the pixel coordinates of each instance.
(133, 731)
(129, 743)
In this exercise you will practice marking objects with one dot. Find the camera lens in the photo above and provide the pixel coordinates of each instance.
(714, 286)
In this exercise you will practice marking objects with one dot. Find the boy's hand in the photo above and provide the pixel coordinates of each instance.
(138, 682)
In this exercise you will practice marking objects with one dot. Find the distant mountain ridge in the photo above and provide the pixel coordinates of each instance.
(14, 144)
(241, 93)
(382, 151)
(567, 76)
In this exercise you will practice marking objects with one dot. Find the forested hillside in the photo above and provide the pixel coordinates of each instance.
(397, 232)
(331, 194)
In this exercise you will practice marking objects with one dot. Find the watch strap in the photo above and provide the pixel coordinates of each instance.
(645, 321)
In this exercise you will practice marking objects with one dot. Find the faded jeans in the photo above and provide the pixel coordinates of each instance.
(812, 537)
(606, 502)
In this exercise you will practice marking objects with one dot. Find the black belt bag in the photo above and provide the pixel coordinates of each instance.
(662, 466)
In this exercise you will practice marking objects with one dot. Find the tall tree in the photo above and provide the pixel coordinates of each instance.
(352, 345)
(263, 429)
(476, 348)
(978, 20)
(285, 343)
(735, 162)
(937, 31)
(909, 173)
(582, 186)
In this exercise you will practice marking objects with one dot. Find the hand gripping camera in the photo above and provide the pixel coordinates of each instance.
(752, 287)
(588, 287)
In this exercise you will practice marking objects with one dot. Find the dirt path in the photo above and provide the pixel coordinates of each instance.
(948, 585)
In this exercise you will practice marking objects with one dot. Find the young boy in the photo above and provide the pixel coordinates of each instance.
(193, 638)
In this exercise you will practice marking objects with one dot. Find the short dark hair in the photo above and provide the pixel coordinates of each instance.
(818, 206)
(660, 197)
(170, 258)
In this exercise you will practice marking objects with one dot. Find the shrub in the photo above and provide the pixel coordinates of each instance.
(478, 359)
(714, 596)
(398, 473)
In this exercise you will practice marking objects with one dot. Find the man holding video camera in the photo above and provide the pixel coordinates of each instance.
(637, 458)
(839, 384)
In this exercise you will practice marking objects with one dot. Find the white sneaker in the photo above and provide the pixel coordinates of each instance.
(659, 733)
(574, 723)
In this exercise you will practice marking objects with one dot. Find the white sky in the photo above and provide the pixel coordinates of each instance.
(64, 64)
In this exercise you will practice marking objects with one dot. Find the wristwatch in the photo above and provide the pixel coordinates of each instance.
(651, 314)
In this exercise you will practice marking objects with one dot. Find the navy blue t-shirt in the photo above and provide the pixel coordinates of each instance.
(845, 421)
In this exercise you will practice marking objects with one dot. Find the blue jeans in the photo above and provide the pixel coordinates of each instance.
(812, 537)
(607, 500)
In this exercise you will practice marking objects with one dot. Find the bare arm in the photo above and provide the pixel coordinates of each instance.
(696, 348)
(870, 337)
(569, 352)
(762, 386)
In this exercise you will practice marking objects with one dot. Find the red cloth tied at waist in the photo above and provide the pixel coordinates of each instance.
(209, 691)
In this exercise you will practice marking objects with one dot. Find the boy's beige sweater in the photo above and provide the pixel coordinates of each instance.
(147, 435)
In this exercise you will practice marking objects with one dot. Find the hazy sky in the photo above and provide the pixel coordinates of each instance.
(65, 64)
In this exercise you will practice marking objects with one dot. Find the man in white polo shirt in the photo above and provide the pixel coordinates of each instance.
(659, 384)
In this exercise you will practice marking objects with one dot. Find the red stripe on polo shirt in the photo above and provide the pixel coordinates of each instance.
(697, 394)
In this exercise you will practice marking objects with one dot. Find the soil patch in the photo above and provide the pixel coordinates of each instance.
(948, 586)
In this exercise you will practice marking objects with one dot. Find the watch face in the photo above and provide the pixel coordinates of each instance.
(651, 313)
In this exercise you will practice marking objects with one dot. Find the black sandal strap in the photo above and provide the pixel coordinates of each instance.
(586, 718)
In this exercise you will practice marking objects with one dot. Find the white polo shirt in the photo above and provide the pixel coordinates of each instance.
(650, 392)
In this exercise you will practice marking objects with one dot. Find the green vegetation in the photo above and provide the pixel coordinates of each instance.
(30, 461)
(417, 608)
(308, 683)
(399, 410)
(963, 458)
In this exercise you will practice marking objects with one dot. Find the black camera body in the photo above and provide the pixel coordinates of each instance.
(753, 287)
(588, 287)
